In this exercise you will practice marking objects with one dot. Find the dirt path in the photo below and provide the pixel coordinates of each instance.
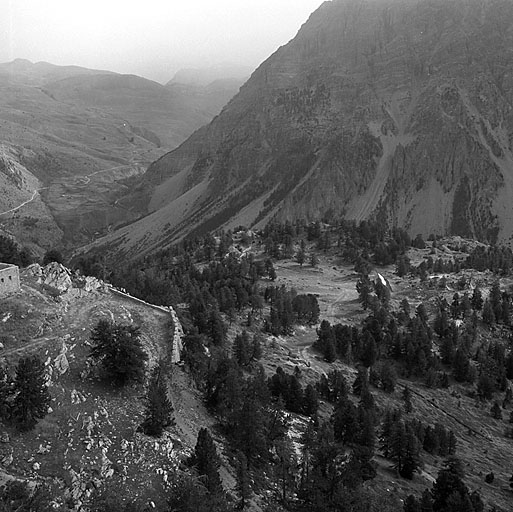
(87, 177)
(33, 344)
(34, 194)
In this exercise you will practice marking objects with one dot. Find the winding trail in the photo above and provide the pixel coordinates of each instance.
(34, 194)
(87, 177)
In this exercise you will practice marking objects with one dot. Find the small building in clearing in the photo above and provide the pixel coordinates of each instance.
(9, 279)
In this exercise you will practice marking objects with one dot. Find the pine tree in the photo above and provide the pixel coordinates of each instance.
(216, 327)
(402, 265)
(345, 421)
(398, 444)
(206, 461)
(426, 501)
(451, 443)
(119, 349)
(269, 267)
(159, 410)
(286, 468)
(294, 395)
(310, 401)
(314, 260)
(243, 480)
(496, 411)
(411, 460)
(407, 399)
(6, 392)
(361, 382)
(447, 349)
(388, 377)
(301, 254)
(369, 353)
(31, 396)
(411, 504)
(485, 386)
(242, 349)
(256, 346)
(477, 299)
(364, 288)
(366, 432)
(449, 491)
(488, 313)
(495, 299)
(387, 426)
(461, 365)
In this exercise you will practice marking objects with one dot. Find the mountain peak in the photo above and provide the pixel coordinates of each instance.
(395, 109)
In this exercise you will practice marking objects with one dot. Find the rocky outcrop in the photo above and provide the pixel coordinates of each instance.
(56, 278)
(59, 280)
(397, 109)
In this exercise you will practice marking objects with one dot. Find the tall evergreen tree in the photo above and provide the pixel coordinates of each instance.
(159, 410)
(31, 396)
(206, 461)
(388, 377)
(243, 480)
(314, 259)
(286, 468)
(369, 353)
(345, 422)
(242, 349)
(310, 401)
(488, 313)
(477, 299)
(301, 253)
(461, 365)
(407, 400)
(404, 450)
(119, 349)
(364, 289)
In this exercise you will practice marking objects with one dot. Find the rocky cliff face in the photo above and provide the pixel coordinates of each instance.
(397, 108)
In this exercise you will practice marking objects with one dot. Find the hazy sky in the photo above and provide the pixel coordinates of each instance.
(152, 38)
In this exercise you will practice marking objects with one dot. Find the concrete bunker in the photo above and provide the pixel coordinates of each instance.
(9, 279)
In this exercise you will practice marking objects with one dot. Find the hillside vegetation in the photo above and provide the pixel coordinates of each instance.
(389, 354)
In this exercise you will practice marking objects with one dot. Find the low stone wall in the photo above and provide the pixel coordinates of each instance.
(177, 326)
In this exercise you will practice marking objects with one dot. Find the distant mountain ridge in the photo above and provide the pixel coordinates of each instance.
(40, 73)
(398, 109)
(80, 133)
(206, 76)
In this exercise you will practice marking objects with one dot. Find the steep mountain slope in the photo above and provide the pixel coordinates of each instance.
(80, 133)
(399, 109)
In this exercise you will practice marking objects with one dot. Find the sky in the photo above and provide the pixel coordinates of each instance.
(151, 38)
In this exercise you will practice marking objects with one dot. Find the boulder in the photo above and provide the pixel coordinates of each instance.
(56, 278)
(33, 270)
(92, 284)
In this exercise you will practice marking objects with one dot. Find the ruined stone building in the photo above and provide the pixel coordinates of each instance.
(9, 279)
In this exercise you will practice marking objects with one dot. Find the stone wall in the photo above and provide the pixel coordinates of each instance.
(177, 326)
(9, 279)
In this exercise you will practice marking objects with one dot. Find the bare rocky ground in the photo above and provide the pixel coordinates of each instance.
(90, 438)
